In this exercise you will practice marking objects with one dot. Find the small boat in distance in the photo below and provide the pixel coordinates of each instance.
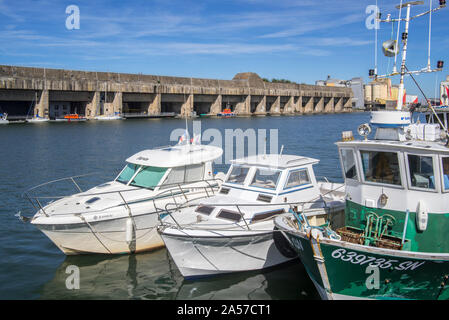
(106, 117)
(37, 119)
(233, 231)
(4, 118)
(73, 117)
(226, 113)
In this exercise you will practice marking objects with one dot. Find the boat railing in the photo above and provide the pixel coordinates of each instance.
(297, 206)
(170, 190)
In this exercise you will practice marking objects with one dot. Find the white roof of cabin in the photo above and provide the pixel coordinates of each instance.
(428, 146)
(176, 156)
(276, 161)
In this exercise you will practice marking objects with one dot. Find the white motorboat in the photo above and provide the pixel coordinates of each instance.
(4, 118)
(234, 231)
(37, 119)
(120, 216)
(110, 117)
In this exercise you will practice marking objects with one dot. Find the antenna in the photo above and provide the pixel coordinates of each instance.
(430, 33)
(404, 71)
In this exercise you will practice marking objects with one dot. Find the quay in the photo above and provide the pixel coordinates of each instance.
(51, 93)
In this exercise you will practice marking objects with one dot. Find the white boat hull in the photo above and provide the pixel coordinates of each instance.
(107, 237)
(40, 120)
(205, 256)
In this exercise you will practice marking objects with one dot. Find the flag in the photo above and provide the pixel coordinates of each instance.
(196, 139)
(184, 139)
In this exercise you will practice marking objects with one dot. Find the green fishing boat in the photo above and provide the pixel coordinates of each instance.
(391, 240)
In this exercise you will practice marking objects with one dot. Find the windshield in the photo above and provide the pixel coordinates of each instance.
(238, 175)
(148, 177)
(265, 178)
(127, 173)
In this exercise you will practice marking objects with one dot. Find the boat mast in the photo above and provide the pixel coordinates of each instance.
(404, 71)
(404, 57)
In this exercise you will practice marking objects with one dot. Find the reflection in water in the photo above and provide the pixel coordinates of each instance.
(137, 276)
(154, 276)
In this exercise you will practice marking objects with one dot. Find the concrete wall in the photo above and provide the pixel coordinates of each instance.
(247, 93)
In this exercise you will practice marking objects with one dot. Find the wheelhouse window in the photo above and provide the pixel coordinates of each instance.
(381, 167)
(348, 161)
(265, 178)
(445, 161)
(127, 173)
(148, 177)
(297, 178)
(185, 174)
(421, 171)
(238, 175)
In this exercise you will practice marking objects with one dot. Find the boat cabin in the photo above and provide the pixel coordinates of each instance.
(271, 178)
(402, 184)
(169, 167)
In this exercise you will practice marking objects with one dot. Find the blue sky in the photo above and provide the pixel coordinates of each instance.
(301, 40)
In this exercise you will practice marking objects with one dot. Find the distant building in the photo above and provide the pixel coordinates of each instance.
(356, 84)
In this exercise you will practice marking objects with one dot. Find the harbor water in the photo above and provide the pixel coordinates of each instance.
(31, 267)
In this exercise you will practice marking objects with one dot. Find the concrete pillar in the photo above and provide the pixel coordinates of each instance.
(319, 107)
(187, 107)
(261, 108)
(347, 106)
(109, 108)
(339, 105)
(329, 107)
(308, 108)
(289, 106)
(93, 106)
(42, 104)
(244, 107)
(217, 105)
(298, 105)
(276, 106)
(154, 108)
(117, 104)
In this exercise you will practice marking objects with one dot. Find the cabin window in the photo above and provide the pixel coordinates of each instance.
(127, 173)
(266, 215)
(349, 166)
(238, 174)
(421, 171)
(229, 215)
(381, 167)
(297, 178)
(185, 174)
(207, 210)
(445, 161)
(148, 177)
(265, 178)
(194, 173)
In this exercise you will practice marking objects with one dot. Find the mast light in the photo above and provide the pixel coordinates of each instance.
(440, 64)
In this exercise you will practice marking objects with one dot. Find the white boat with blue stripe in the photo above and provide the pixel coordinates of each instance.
(234, 231)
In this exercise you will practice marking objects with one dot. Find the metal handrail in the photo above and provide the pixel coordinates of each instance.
(26, 193)
(154, 197)
(238, 205)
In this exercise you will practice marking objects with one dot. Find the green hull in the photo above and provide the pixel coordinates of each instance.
(368, 273)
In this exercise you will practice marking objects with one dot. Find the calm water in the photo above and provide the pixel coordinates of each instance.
(32, 268)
